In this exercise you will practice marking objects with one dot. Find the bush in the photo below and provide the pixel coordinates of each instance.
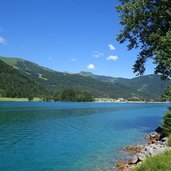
(169, 140)
(30, 98)
(73, 95)
(160, 162)
(166, 127)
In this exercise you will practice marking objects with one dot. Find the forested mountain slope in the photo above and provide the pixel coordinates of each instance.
(147, 87)
(54, 81)
(15, 84)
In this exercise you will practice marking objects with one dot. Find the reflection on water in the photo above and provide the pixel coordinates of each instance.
(71, 136)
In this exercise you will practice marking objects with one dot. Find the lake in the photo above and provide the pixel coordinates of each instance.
(72, 136)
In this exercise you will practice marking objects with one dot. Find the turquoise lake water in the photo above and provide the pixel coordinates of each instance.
(72, 136)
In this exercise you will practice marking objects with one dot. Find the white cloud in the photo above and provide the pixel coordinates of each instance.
(97, 54)
(111, 47)
(91, 66)
(112, 58)
(73, 59)
(2, 41)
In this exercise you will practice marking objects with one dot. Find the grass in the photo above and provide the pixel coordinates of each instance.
(161, 162)
(43, 78)
(35, 99)
(169, 140)
(11, 61)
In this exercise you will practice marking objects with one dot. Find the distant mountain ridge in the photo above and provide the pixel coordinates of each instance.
(102, 77)
(99, 86)
(149, 85)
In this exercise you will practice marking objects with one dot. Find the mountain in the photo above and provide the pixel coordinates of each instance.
(53, 81)
(148, 86)
(15, 84)
(151, 85)
(102, 77)
(49, 81)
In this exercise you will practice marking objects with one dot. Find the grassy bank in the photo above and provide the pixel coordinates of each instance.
(36, 99)
(161, 162)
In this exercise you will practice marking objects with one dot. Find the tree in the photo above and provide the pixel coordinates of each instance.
(75, 95)
(167, 94)
(30, 98)
(147, 25)
(166, 127)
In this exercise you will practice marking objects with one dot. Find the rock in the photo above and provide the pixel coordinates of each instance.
(159, 150)
(146, 153)
(122, 165)
(141, 156)
(140, 147)
(131, 168)
(164, 143)
(153, 137)
(157, 143)
(151, 151)
(134, 159)
(147, 148)
(133, 149)
(164, 139)
(153, 134)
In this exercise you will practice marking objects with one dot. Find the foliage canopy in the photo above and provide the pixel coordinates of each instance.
(167, 94)
(166, 127)
(147, 25)
(15, 84)
(75, 95)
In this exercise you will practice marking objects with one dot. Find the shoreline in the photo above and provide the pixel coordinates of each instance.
(37, 99)
(22, 99)
(156, 144)
(130, 102)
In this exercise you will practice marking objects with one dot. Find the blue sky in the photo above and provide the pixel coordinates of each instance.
(66, 35)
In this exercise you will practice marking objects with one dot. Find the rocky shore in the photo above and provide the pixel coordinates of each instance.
(157, 144)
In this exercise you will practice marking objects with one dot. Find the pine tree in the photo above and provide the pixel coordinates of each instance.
(166, 127)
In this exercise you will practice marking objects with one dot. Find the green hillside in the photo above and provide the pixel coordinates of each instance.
(54, 81)
(148, 87)
(102, 77)
(14, 84)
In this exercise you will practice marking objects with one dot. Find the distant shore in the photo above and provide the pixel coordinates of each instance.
(97, 100)
(108, 100)
(8, 99)
(134, 102)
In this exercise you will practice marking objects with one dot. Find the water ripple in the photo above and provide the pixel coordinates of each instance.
(71, 136)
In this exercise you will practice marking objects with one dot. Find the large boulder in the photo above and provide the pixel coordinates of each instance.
(122, 165)
(133, 149)
(153, 137)
(134, 159)
(141, 156)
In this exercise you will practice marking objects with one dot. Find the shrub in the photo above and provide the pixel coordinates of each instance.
(169, 140)
(166, 127)
(160, 162)
(75, 95)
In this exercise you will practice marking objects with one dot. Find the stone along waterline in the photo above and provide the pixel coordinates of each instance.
(72, 136)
